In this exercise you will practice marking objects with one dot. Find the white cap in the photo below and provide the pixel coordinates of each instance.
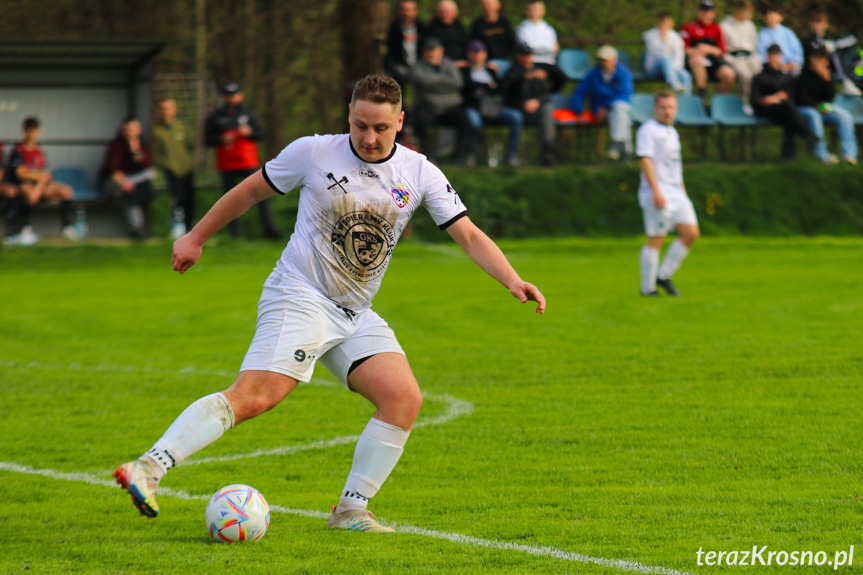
(606, 52)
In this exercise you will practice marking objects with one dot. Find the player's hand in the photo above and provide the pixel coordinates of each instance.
(525, 292)
(187, 252)
(658, 200)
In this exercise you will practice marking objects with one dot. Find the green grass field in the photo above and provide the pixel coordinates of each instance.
(615, 434)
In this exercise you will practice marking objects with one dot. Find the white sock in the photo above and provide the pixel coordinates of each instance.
(198, 426)
(649, 260)
(675, 255)
(378, 450)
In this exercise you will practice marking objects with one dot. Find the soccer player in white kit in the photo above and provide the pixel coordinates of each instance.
(662, 197)
(357, 194)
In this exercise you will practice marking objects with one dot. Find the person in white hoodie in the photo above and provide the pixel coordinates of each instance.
(665, 56)
(741, 40)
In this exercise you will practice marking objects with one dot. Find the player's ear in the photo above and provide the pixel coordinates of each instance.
(401, 121)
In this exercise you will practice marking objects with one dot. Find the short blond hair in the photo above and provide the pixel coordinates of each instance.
(378, 89)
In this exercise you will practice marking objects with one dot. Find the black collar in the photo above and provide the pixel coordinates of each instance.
(381, 161)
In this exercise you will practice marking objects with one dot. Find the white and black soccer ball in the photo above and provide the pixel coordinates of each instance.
(237, 513)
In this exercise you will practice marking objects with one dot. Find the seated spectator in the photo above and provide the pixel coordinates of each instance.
(447, 28)
(528, 90)
(174, 154)
(775, 33)
(403, 42)
(482, 88)
(27, 174)
(773, 98)
(438, 100)
(666, 56)
(127, 173)
(815, 93)
(609, 87)
(7, 189)
(537, 34)
(494, 30)
(705, 50)
(819, 22)
(741, 40)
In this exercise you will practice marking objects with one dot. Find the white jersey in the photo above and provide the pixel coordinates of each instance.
(351, 213)
(660, 143)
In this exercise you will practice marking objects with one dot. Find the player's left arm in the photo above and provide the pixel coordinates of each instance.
(485, 253)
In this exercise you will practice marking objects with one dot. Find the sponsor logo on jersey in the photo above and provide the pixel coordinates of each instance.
(370, 173)
(362, 243)
(400, 195)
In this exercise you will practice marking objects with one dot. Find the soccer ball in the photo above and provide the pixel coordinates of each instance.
(237, 513)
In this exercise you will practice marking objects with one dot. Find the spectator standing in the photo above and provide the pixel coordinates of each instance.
(482, 93)
(741, 40)
(666, 55)
(609, 87)
(174, 155)
(819, 22)
(447, 28)
(494, 30)
(404, 42)
(663, 197)
(28, 181)
(775, 33)
(127, 173)
(772, 98)
(438, 100)
(705, 50)
(538, 34)
(815, 93)
(234, 130)
(528, 90)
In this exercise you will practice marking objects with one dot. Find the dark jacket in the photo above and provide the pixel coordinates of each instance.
(769, 82)
(518, 89)
(812, 89)
(474, 91)
(453, 37)
(242, 154)
(498, 37)
(119, 158)
(395, 44)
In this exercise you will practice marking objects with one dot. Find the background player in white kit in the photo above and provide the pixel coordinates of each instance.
(662, 197)
(357, 193)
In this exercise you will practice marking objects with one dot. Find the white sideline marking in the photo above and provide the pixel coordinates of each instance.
(539, 550)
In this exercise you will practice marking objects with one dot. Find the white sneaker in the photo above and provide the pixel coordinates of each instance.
(850, 159)
(28, 237)
(70, 233)
(357, 520)
(829, 159)
(14, 240)
(849, 88)
(747, 109)
(614, 151)
(136, 478)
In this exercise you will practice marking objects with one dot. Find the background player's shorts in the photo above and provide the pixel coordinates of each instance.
(678, 210)
(297, 327)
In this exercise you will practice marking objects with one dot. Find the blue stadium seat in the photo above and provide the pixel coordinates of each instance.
(76, 178)
(853, 104)
(637, 73)
(503, 65)
(727, 110)
(642, 107)
(691, 112)
(575, 63)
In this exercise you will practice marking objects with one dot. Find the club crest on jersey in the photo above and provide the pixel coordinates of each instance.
(400, 195)
(362, 243)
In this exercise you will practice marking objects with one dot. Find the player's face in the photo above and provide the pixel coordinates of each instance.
(31, 135)
(665, 110)
(707, 16)
(535, 12)
(132, 129)
(774, 60)
(373, 128)
(408, 12)
(772, 19)
(167, 111)
(819, 27)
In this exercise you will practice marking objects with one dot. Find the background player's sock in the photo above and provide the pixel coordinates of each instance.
(198, 426)
(673, 258)
(378, 450)
(649, 264)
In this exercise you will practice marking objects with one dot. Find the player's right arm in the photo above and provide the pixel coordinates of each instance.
(187, 249)
(646, 165)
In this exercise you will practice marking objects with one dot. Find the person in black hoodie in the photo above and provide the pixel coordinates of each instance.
(447, 28)
(773, 98)
(482, 88)
(404, 42)
(527, 89)
(815, 93)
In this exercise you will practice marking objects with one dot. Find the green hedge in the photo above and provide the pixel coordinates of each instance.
(803, 198)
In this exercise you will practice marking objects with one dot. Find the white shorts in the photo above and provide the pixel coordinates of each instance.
(678, 210)
(297, 327)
